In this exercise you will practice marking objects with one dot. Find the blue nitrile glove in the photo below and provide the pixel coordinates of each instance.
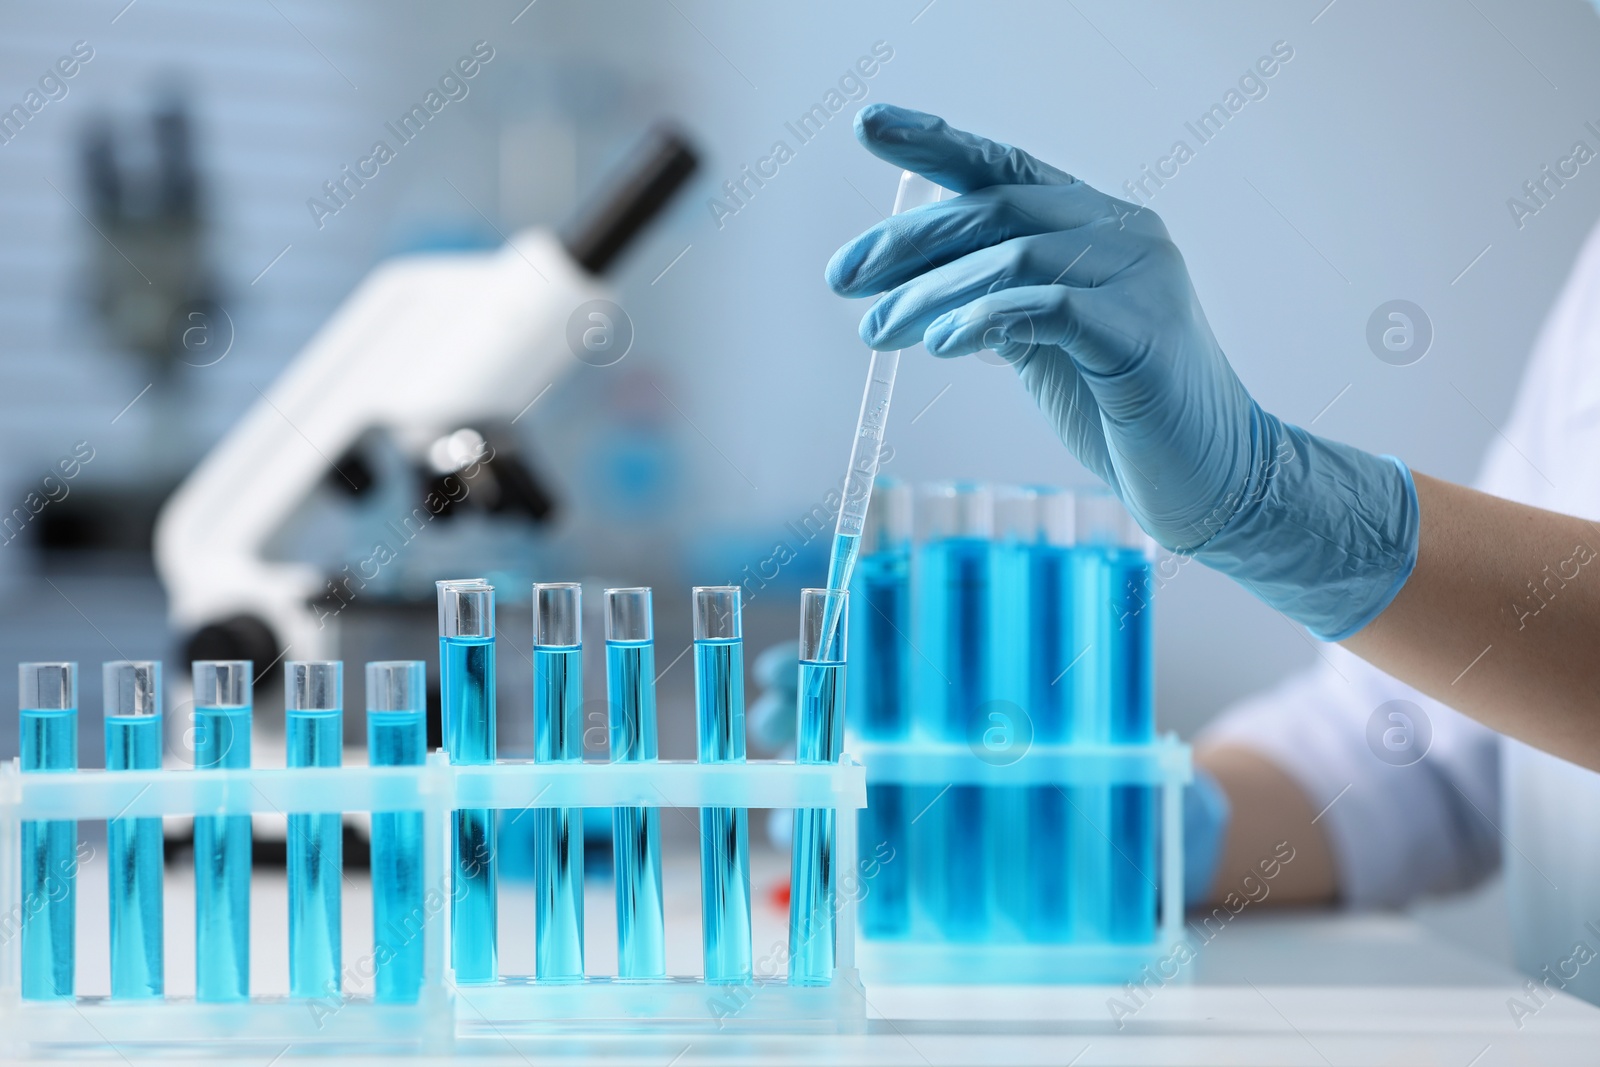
(774, 716)
(1089, 299)
(1205, 828)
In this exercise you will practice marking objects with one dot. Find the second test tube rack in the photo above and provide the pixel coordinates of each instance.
(445, 1010)
(1098, 873)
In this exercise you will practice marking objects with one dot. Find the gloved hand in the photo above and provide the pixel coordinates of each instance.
(1206, 813)
(774, 718)
(774, 715)
(1089, 299)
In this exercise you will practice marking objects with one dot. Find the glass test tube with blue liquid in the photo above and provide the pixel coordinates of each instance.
(724, 832)
(466, 687)
(1059, 647)
(222, 720)
(47, 699)
(1129, 685)
(635, 832)
(397, 736)
(1036, 645)
(132, 705)
(1114, 855)
(819, 738)
(880, 699)
(951, 872)
(558, 738)
(1006, 718)
(314, 735)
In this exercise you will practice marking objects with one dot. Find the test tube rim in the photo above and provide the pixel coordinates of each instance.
(546, 620)
(111, 693)
(1058, 526)
(950, 491)
(841, 639)
(734, 618)
(1052, 520)
(291, 690)
(68, 701)
(1117, 528)
(1023, 527)
(612, 595)
(892, 515)
(447, 622)
(245, 676)
(416, 667)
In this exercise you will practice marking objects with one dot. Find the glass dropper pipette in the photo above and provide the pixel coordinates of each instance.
(867, 446)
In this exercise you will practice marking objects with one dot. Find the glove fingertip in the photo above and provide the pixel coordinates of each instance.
(868, 329)
(867, 121)
(877, 122)
(943, 338)
(842, 268)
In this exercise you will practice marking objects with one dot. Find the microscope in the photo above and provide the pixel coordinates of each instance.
(438, 352)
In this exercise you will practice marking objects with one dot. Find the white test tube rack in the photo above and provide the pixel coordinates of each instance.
(444, 1011)
(1164, 764)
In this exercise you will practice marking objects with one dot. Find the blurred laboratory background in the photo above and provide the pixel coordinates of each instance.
(181, 221)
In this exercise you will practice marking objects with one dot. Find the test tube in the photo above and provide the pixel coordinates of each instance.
(635, 832)
(819, 737)
(724, 832)
(950, 867)
(880, 699)
(466, 686)
(1112, 861)
(132, 705)
(397, 736)
(1054, 646)
(1057, 643)
(314, 733)
(1121, 606)
(222, 715)
(1016, 606)
(558, 738)
(47, 699)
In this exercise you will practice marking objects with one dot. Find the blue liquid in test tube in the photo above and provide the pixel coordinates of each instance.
(558, 738)
(1037, 646)
(314, 734)
(47, 698)
(466, 685)
(951, 878)
(724, 832)
(397, 736)
(1114, 852)
(133, 845)
(635, 832)
(1089, 846)
(1005, 722)
(880, 701)
(222, 717)
(1130, 685)
(819, 737)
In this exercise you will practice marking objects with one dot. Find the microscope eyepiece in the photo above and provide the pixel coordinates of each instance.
(627, 203)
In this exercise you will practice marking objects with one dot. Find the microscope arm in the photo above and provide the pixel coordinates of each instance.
(424, 345)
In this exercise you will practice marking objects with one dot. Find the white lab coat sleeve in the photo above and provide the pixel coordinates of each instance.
(1399, 832)
(1395, 831)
